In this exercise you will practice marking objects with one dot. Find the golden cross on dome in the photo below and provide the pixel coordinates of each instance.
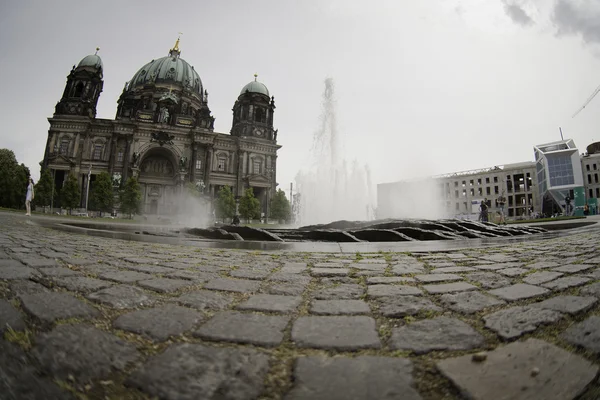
(97, 50)
(255, 76)
(176, 47)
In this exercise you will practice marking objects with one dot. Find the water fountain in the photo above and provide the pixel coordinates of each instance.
(332, 188)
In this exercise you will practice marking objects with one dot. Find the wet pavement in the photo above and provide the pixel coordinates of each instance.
(95, 317)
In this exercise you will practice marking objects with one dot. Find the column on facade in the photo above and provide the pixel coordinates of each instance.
(113, 153)
(126, 158)
(208, 152)
(193, 162)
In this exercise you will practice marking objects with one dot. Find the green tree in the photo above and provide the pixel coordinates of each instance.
(43, 189)
(249, 205)
(131, 197)
(280, 206)
(70, 196)
(225, 204)
(13, 180)
(102, 197)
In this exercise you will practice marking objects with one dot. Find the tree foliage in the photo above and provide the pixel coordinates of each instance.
(13, 180)
(225, 204)
(280, 206)
(249, 205)
(102, 197)
(43, 189)
(130, 197)
(70, 195)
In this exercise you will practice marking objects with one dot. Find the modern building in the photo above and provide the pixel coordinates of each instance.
(541, 186)
(163, 134)
(460, 193)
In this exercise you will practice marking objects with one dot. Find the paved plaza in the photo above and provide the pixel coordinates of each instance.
(85, 317)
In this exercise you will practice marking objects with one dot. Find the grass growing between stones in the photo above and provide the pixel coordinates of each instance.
(21, 338)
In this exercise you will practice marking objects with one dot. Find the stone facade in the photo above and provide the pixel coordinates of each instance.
(163, 135)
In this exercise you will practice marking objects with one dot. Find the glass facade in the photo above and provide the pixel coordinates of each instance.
(560, 169)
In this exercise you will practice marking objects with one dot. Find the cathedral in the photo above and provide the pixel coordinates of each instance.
(163, 135)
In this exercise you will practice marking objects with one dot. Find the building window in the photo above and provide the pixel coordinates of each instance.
(456, 194)
(594, 167)
(496, 191)
(589, 178)
(455, 183)
(198, 164)
(488, 191)
(221, 164)
(480, 191)
(471, 182)
(256, 166)
(591, 193)
(64, 147)
(464, 193)
(597, 192)
(595, 178)
(464, 183)
(495, 179)
(120, 156)
(587, 167)
(97, 152)
(479, 181)
(472, 192)
(560, 170)
(487, 180)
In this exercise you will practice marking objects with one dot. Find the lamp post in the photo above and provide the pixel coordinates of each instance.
(87, 193)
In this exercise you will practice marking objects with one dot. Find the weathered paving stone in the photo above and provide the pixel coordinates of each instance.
(20, 381)
(271, 303)
(249, 274)
(401, 306)
(359, 378)
(6, 263)
(567, 304)
(39, 262)
(150, 269)
(205, 300)
(408, 269)
(78, 261)
(82, 284)
(140, 260)
(495, 267)
(449, 287)
(287, 289)
(335, 332)
(441, 264)
(293, 268)
(519, 291)
(375, 280)
(125, 276)
(591, 290)
(506, 373)
(341, 291)
(159, 323)
(339, 307)
(595, 274)
(452, 270)
(513, 322)
(438, 277)
(501, 258)
(469, 302)
(233, 326)
(165, 285)
(56, 272)
(512, 271)
(369, 267)
(10, 317)
(82, 352)
(585, 334)
(26, 287)
(289, 278)
(542, 265)
(11, 273)
(122, 296)
(392, 290)
(441, 333)
(51, 306)
(318, 272)
(541, 277)
(194, 371)
(233, 285)
(488, 280)
(195, 276)
(573, 268)
(566, 282)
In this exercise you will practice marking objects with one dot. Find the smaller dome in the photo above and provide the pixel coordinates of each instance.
(93, 60)
(255, 87)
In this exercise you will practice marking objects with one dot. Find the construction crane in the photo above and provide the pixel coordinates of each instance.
(588, 101)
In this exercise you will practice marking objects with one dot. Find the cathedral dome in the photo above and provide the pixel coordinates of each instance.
(93, 60)
(168, 70)
(255, 87)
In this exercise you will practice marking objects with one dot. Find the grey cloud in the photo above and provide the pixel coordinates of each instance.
(517, 14)
(578, 19)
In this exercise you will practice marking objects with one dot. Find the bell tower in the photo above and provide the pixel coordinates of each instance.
(83, 88)
(253, 112)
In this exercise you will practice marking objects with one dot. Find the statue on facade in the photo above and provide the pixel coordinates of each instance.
(163, 115)
(275, 134)
(135, 159)
(182, 162)
(152, 77)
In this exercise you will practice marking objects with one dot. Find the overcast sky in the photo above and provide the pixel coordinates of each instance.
(423, 87)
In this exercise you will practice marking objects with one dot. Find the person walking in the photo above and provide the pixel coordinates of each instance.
(483, 207)
(29, 196)
(501, 203)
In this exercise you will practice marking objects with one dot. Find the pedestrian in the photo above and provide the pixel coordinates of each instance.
(501, 202)
(484, 211)
(29, 196)
(586, 209)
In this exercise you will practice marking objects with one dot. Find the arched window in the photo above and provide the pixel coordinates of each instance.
(78, 89)
(259, 115)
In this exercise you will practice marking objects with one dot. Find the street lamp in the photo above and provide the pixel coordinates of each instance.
(87, 194)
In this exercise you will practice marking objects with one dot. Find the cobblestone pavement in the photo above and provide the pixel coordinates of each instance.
(97, 318)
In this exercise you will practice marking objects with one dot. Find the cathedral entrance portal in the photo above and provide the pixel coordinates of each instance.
(158, 182)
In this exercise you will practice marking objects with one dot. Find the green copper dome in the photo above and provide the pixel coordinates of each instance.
(93, 60)
(170, 70)
(255, 87)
